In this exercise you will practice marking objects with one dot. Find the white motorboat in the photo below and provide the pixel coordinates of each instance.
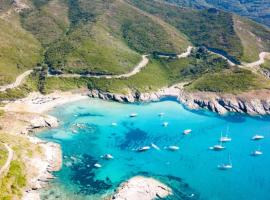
(217, 147)
(114, 124)
(155, 146)
(165, 124)
(187, 131)
(107, 157)
(133, 115)
(256, 153)
(173, 148)
(257, 137)
(97, 165)
(161, 114)
(145, 148)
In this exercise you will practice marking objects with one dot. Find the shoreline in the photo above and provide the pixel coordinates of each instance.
(32, 110)
(37, 105)
(252, 103)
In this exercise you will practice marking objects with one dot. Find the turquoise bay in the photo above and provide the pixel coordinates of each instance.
(86, 133)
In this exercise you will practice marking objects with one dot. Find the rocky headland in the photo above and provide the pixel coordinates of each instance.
(142, 188)
(252, 102)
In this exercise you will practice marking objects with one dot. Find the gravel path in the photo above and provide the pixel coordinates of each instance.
(5, 167)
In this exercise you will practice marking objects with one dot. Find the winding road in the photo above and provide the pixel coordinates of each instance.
(135, 70)
(17, 82)
(9, 159)
(254, 66)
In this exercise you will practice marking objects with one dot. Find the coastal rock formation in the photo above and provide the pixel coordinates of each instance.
(42, 166)
(142, 188)
(253, 102)
(44, 121)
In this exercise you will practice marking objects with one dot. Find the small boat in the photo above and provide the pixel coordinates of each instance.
(145, 148)
(173, 148)
(165, 124)
(217, 147)
(226, 166)
(187, 131)
(107, 157)
(97, 165)
(74, 131)
(257, 152)
(257, 137)
(161, 114)
(155, 146)
(133, 115)
(225, 138)
(114, 124)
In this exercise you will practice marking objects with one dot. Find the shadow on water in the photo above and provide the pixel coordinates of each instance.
(133, 138)
(83, 175)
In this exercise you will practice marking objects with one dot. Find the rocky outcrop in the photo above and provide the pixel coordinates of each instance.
(142, 188)
(253, 102)
(43, 121)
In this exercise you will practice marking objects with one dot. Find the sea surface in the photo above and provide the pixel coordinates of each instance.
(87, 132)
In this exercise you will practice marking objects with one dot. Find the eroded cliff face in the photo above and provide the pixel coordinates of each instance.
(252, 103)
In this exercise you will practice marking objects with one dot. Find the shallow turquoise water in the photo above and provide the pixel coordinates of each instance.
(194, 164)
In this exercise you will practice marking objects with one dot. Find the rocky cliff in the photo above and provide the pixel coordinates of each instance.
(253, 103)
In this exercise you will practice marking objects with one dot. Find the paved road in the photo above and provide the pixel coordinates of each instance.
(17, 82)
(5, 167)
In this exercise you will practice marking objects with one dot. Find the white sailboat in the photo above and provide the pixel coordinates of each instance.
(217, 147)
(225, 138)
(226, 166)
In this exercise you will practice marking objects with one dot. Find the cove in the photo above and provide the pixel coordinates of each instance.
(86, 133)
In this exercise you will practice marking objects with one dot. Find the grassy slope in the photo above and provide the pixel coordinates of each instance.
(211, 28)
(11, 185)
(3, 155)
(47, 22)
(254, 37)
(102, 43)
(19, 50)
(230, 81)
(166, 72)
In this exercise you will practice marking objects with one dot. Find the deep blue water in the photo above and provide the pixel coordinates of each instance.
(191, 170)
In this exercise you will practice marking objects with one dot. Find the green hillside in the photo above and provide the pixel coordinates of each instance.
(99, 37)
(19, 51)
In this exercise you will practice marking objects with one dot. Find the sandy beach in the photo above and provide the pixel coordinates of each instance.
(29, 114)
(38, 103)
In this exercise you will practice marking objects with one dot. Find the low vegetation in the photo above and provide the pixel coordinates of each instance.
(166, 72)
(15, 180)
(230, 81)
(3, 155)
